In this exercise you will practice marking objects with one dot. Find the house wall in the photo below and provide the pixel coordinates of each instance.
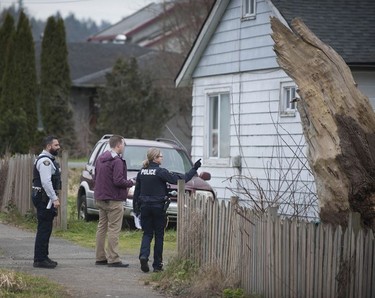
(366, 83)
(270, 146)
(239, 45)
(257, 137)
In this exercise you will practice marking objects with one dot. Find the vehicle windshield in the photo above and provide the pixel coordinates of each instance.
(173, 160)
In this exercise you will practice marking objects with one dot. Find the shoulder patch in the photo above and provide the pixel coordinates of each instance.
(46, 162)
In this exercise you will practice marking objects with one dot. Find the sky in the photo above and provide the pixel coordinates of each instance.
(112, 11)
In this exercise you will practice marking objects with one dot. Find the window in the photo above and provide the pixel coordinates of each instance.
(96, 152)
(219, 125)
(248, 8)
(288, 96)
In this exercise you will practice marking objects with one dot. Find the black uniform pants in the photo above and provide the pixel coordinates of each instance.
(153, 223)
(45, 222)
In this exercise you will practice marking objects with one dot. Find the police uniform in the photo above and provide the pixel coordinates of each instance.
(149, 198)
(46, 184)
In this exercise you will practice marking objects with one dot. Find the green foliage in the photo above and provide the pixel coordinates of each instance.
(6, 31)
(18, 86)
(18, 284)
(177, 276)
(55, 81)
(13, 216)
(76, 30)
(26, 77)
(234, 293)
(129, 104)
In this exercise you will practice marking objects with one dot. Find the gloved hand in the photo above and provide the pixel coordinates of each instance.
(137, 210)
(197, 164)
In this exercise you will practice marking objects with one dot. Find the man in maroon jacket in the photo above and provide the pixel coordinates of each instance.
(111, 189)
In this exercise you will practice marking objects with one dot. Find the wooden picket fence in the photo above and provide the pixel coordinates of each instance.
(16, 174)
(275, 257)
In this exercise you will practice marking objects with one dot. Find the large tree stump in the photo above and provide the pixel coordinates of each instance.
(338, 123)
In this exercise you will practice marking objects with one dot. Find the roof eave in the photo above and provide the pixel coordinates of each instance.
(183, 78)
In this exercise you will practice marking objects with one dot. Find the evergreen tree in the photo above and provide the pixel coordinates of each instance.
(26, 76)
(19, 89)
(6, 31)
(55, 84)
(129, 104)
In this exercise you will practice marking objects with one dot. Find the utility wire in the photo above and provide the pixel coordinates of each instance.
(49, 2)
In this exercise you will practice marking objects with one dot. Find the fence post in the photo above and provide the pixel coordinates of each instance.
(181, 217)
(64, 191)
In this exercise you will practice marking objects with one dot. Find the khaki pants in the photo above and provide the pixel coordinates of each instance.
(110, 222)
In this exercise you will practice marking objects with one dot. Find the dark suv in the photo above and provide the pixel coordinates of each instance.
(175, 159)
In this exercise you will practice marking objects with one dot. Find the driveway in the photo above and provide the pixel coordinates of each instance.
(76, 270)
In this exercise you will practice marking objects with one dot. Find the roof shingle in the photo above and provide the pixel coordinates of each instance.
(346, 26)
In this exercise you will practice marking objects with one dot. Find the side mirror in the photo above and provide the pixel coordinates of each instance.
(205, 176)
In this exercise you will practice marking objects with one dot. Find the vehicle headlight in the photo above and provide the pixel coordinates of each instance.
(204, 193)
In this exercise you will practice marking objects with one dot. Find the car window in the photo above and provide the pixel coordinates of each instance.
(104, 148)
(174, 160)
(94, 153)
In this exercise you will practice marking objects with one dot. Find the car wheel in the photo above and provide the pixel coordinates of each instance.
(82, 209)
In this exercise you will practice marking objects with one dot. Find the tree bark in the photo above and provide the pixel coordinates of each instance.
(338, 123)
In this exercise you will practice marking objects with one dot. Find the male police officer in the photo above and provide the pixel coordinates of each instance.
(46, 184)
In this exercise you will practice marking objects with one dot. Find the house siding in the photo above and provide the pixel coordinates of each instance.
(366, 83)
(239, 59)
(258, 133)
(239, 45)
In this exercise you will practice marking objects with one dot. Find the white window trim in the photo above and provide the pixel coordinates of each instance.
(284, 111)
(209, 160)
(248, 16)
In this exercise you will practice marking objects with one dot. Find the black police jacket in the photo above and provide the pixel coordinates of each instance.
(151, 184)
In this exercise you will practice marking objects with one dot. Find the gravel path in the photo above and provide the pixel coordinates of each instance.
(76, 270)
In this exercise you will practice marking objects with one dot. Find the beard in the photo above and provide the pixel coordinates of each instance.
(54, 152)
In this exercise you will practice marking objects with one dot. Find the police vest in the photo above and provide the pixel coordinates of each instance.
(153, 189)
(55, 178)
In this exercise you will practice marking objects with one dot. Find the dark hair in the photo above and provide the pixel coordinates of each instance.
(48, 141)
(115, 140)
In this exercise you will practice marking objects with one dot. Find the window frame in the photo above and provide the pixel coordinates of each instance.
(209, 128)
(285, 107)
(246, 15)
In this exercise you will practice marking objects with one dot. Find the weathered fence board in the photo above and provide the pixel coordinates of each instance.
(276, 257)
(17, 172)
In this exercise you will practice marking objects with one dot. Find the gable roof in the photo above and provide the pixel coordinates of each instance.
(347, 26)
(132, 23)
(201, 41)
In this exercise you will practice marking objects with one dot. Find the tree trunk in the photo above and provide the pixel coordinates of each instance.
(338, 123)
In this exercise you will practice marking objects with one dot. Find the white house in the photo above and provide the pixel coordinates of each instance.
(244, 124)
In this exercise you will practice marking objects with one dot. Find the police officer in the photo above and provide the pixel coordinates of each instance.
(46, 184)
(149, 199)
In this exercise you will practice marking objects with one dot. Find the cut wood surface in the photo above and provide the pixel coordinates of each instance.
(338, 123)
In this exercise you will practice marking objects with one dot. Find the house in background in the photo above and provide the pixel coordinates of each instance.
(90, 62)
(146, 27)
(169, 26)
(244, 124)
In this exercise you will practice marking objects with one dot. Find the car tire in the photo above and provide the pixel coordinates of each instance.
(82, 209)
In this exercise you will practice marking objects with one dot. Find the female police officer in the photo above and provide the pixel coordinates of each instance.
(149, 198)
